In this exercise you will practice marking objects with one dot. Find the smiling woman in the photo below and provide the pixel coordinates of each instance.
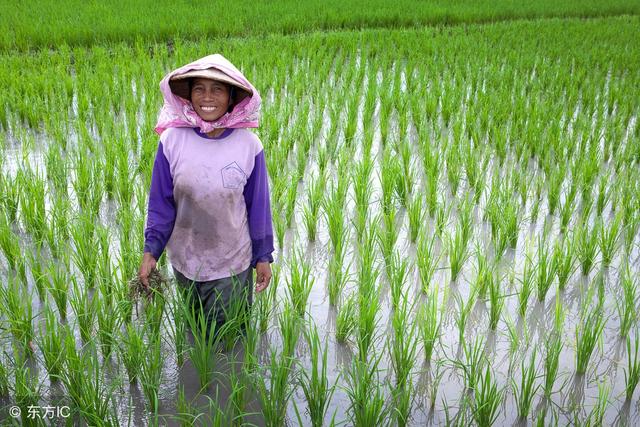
(209, 198)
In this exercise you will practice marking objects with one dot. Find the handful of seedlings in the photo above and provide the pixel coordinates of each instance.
(157, 283)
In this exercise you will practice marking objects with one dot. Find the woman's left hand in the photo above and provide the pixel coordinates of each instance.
(263, 276)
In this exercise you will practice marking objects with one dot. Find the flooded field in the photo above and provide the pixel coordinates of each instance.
(456, 215)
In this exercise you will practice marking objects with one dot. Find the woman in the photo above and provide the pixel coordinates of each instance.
(209, 197)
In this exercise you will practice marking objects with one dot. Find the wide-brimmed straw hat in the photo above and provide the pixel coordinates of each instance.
(180, 84)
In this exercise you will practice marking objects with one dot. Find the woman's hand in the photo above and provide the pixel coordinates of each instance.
(263, 276)
(148, 263)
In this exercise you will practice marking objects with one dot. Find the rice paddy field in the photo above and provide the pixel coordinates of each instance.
(456, 214)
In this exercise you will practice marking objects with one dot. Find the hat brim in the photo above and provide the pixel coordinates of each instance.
(180, 84)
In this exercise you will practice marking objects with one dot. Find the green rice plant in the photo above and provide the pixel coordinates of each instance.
(177, 328)
(457, 251)
(627, 305)
(85, 308)
(496, 297)
(10, 245)
(205, 338)
(50, 341)
(553, 348)
(398, 271)
(545, 271)
(4, 379)
(526, 289)
(487, 398)
(311, 210)
(608, 239)
(554, 186)
(586, 246)
(334, 215)
(150, 373)
(387, 237)
(465, 218)
(32, 202)
(426, 261)
(275, 396)
(38, 273)
(18, 312)
(429, 319)
(563, 260)
(442, 213)
(596, 416)
(416, 214)
(588, 332)
(85, 385)
(404, 184)
(290, 328)
(535, 206)
(337, 278)
(474, 361)
(290, 198)
(85, 251)
(59, 288)
(604, 193)
(388, 176)
(361, 178)
(27, 391)
(368, 307)
(315, 385)
(299, 282)
(108, 324)
(527, 391)
(367, 401)
(346, 319)
(264, 303)
(10, 196)
(464, 311)
(484, 273)
(132, 351)
(566, 211)
(632, 372)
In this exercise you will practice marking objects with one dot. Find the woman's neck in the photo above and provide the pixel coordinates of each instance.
(216, 132)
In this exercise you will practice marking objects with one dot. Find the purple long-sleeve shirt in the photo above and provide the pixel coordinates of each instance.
(210, 174)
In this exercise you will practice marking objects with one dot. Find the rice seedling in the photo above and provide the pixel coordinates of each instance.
(38, 273)
(337, 278)
(586, 246)
(426, 261)
(464, 311)
(290, 328)
(366, 323)
(85, 385)
(465, 218)
(361, 178)
(10, 245)
(367, 402)
(562, 260)
(588, 332)
(553, 348)
(632, 372)
(334, 215)
(474, 361)
(150, 373)
(16, 304)
(315, 385)
(346, 319)
(85, 251)
(59, 288)
(311, 210)
(486, 399)
(299, 282)
(132, 351)
(525, 393)
(496, 297)
(416, 214)
(442, 212)
(430, 320)
(85, 308)
(32, 202)
(604, 193)
(389, 175)
(108, 324)
(457, 252)
(398, 272)
(545, 271)
(627, 305)
(27, 392)
(386, 237)
(205, 337)
(608, 239)
(51, 343)
(275, 396)
(596, 416)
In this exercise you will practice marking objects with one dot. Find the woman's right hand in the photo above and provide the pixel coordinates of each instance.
(146, 266)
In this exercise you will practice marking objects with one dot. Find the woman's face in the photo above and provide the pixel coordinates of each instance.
(210, 98)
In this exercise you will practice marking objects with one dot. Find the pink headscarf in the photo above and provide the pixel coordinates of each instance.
(178, 112)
